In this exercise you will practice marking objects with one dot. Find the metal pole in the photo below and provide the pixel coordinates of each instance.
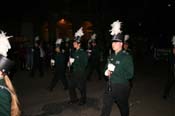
(109, 79)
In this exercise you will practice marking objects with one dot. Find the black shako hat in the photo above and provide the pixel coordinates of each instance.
(118, 38)
(78, 35)
(77, 39)
(5, 64)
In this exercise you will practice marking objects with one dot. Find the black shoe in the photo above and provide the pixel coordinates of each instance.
(31, 75)
(41, 75)
(164, 97)
(50, 89)
(65, 88)
(72, 101)
(81, 103)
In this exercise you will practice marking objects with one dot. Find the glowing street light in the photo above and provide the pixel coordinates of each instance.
(62, 21)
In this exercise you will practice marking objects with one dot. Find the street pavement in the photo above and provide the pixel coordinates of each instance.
(145, 98)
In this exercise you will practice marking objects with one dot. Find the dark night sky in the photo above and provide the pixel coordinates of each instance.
(146, 11)
(18, 7)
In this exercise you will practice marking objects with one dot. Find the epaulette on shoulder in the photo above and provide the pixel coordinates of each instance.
(125, 52)
(3, 87)
(81, 49)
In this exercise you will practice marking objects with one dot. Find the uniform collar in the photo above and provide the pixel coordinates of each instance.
(78, 49)
(116, 53)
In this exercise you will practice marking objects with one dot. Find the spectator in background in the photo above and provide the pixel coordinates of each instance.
(171, 76)
(94, 59)
(38, 59)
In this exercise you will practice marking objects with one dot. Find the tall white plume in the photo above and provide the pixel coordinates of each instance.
(4, 44)
(36, 38)
(58, 41)
(115, 28)
(79, 32)
(93, 37)
(126, 37)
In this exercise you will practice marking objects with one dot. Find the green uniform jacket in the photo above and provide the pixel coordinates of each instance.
(81, 60)
(124, 68)
(5, 100)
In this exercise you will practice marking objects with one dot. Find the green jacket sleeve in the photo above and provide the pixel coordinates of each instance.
(84, 60)
(5, 103)
(81, 60)
(128, 67)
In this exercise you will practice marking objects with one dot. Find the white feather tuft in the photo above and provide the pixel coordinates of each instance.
(67, 39)
(4, 44)
(93, 37)
(173, 40)
(79, 33)
(58, 41)
(115, 28)
(126, 37)
(36, 38)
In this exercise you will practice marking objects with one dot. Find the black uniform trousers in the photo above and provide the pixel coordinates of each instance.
(170, 82)
(93, 66)
(119, 95)
(77, 81)
(38, 65)
(59, 76)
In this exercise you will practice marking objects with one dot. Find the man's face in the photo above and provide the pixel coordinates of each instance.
(36, 45)
(125, 46)
(57, 49)
(67, 45)
(76, 45)
(117, 46)
(1, 74)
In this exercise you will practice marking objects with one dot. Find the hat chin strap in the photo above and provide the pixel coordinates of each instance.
(78, 47)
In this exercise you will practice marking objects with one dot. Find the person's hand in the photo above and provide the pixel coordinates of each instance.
(71, 60)
(108, 73)
(52, 62)
(68, 64)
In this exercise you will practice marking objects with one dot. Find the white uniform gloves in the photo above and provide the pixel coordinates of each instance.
(89, 52)
(71, 60)
(52, 62)
(110, 69)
